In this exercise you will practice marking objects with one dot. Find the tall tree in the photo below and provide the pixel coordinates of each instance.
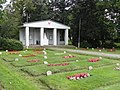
(15, 14)
(1, 14)
(41, 10)
(84, 21)
(59, 10)
(108, 13)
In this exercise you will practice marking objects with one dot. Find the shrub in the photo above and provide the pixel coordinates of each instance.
(109, 44)
(85, 44)
(11, 44)
(1, 41)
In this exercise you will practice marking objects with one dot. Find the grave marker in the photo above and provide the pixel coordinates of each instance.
(45, 62)
(49, 73)
(45, 57)
(6, 50)
(64, 51)
(0, 53)
(20, 55)
(90, 68)
(16, 59)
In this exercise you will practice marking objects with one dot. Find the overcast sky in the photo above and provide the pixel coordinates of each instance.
(8, 1)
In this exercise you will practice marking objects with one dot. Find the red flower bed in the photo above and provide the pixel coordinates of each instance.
(94, 60)
(111, 50)
(13, 52)
(30, 55)
(78, 76)
(64, 64)
(33, 61)
(68, 56)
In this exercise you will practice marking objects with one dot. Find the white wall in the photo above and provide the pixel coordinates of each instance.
(58, 35)
(22, 36)
(31, 35)
(45, 39)
(49, 34)
(36, 35)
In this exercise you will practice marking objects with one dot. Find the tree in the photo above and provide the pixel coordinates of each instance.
(15, 14)
(59, 10)
(84, 21)
(1, 13)
(41, 10)
(108, 12)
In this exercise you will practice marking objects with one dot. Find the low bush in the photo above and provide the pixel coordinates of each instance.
(109, 44)
(1, 41)
(85, 44)
(10, 44)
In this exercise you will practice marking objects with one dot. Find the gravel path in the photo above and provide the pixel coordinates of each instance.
(117, 56)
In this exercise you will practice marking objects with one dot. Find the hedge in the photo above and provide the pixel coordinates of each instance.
(10, 44)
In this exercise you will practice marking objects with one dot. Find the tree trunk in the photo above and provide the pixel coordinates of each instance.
(79, 33)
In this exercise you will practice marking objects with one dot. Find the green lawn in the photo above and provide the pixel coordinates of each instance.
(24, 75)
(103, 76)
(11, 80)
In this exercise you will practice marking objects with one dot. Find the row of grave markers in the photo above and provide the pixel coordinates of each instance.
(50, 72)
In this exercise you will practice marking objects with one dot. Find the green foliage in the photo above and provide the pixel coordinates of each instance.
(10, 44)
(85, 44)
(100, 20)
(1, 41)
(109, 44)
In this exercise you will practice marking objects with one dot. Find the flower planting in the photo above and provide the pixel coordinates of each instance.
(94, 60)
(30, 55)
(33, 61)
(111, 50)
(78, 76)
(64, 64)
(13, 52)
(69, 56)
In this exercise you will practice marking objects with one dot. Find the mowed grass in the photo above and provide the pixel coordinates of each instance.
(81, 64)
(10, 80)
(103, 76)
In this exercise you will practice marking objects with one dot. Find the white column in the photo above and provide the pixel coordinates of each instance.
(27, 37)
(41, 36)
(55, 36)
(66, 37)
